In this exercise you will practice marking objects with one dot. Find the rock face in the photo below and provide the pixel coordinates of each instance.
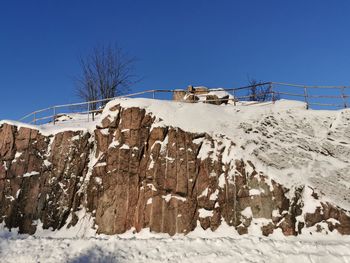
(40, 176)
(130, 174)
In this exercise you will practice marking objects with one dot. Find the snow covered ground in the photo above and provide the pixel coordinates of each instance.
(114, 249)
(81, 245)
(77, 245)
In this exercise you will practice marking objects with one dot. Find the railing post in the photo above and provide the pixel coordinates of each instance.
(343, 96)
(234, 97)
(306, 96)
(88, 111)
(272, 92)
(94, 107)
(54, 115)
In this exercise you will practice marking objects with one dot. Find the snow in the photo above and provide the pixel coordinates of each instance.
(30, 174)
(151, 164)
(100, 164)
(18, 154)
(81, 244)
(113, 144)
(104, 132)
(75, 138)
(310, 204)
(180, 198)
(175, 249)
(10, 197)
(214, 196)
(275, 213)
(204, 193)
(333, 221)
(152, 187)
(205, 213)
(149, 201)
(169, 196)
(219, 92)
(47, 163)
(50, 129)
(205, 149)
(124, 146)
(4, 165)
(247, 212)
(98, 180)
(255, 191)
(222, 181)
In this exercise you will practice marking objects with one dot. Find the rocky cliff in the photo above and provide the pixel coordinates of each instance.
(132, 170)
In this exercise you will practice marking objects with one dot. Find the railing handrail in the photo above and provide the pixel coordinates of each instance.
(310, 86)
(86, 102)
(154, 91)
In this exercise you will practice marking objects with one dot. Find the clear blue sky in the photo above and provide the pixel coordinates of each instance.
(182, 42)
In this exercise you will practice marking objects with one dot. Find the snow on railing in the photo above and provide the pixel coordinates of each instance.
(314, 96)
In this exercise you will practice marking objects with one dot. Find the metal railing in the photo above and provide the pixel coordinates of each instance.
(88, 108)
(330, 97)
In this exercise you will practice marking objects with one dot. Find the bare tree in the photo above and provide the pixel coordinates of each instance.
(106, 72)
(258, 91)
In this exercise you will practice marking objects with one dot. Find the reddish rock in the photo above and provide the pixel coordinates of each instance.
(268, 229)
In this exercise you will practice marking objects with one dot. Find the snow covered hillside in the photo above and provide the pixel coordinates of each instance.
(293, 145)
(289, 143)
(218, 178)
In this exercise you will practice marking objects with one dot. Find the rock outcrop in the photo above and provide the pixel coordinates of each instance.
(202, 94)
(130, 174)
